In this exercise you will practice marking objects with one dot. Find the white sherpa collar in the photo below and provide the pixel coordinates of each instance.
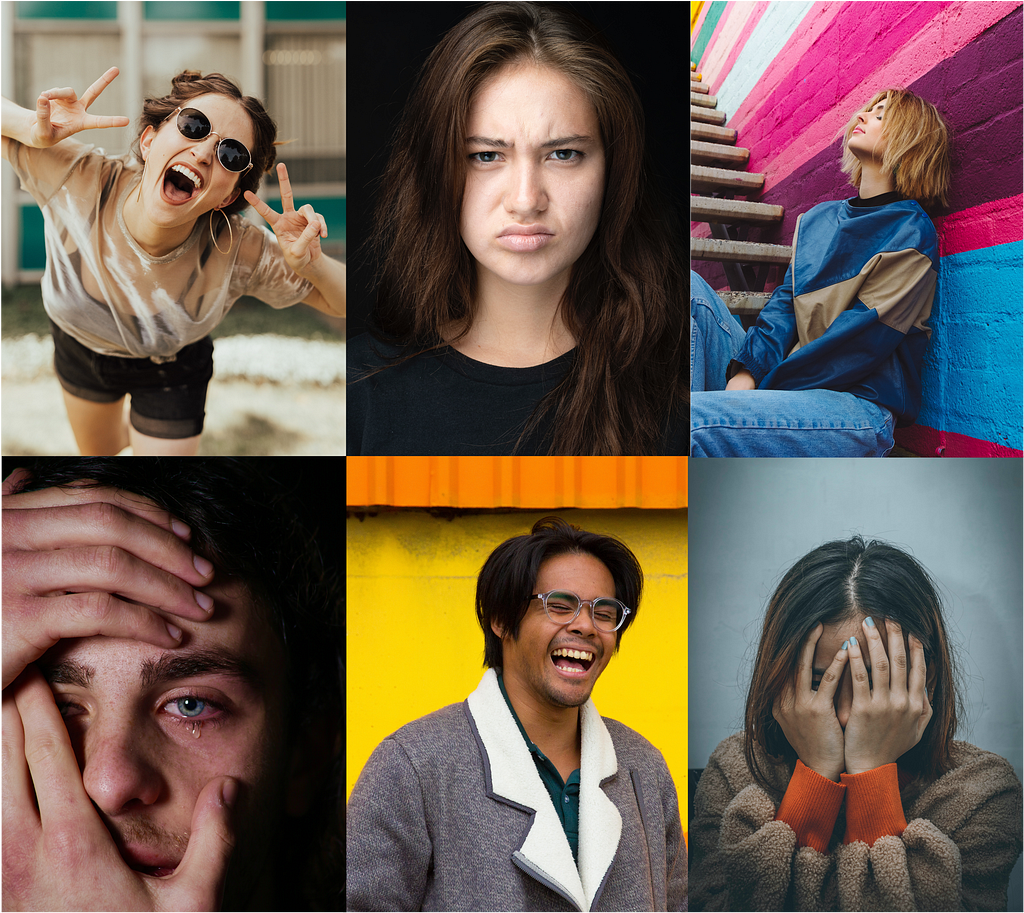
(513, 777)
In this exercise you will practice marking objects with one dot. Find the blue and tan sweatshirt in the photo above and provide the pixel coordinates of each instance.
(850, 314)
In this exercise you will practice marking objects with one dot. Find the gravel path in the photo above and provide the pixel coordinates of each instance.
(270, 396)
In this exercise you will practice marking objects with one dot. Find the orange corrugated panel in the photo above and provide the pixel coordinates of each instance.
(519, 482)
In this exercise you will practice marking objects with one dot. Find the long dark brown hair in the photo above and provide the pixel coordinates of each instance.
(834, 582)
(624, 302)
(190, 84)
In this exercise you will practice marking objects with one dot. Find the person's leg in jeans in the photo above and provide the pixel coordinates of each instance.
(787, 423)
(715, 337)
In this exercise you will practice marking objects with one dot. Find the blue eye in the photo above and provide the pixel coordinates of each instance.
(189, 706)
(482, 157)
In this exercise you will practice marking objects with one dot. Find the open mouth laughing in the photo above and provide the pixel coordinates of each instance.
(572, 663)
(181, 183)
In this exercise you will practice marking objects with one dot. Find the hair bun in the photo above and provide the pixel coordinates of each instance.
(185, 77)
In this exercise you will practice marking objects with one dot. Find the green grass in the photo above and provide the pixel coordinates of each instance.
(21, 312)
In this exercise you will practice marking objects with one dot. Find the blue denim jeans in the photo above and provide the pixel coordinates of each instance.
(768, 423)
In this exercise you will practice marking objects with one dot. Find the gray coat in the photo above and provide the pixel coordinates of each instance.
(449, 813)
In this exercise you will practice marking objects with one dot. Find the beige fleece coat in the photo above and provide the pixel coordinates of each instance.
(962, 839)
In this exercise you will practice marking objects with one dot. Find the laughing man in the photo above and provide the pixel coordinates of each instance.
(523, 797)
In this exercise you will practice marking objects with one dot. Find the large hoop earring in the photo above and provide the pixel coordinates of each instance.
(213, 237)
(145, 165)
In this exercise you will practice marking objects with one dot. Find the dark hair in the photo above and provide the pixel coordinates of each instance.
(508, 576)
(624, 303)
(190, 84)
(832, 583)
(244, 522)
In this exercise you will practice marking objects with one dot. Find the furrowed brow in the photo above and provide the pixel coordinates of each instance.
(487, 141)
(180, 665)
(68, 672)
(564, 141)
(560, 142)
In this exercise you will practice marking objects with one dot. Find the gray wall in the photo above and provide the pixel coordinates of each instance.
(750, 520)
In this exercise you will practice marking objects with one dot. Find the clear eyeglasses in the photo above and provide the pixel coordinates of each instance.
(562, 607)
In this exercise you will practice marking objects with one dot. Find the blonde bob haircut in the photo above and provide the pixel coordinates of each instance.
(916, 151)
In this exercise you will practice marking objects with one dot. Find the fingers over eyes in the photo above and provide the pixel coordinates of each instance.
(918, 676)
(871, 643)
(833, 675)
(56, 779)
(18, 802)
(859, 671)
(897, 657)
(805, 662)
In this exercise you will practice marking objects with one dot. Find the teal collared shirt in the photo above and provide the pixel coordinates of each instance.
(564, 795)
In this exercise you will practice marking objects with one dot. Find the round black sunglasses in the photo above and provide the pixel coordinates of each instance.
(194, 125)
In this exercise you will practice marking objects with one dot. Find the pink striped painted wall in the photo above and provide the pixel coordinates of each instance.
(789, 76)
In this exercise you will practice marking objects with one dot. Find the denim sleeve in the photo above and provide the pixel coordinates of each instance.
(770, 339)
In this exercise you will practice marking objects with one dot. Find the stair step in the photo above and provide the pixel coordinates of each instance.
(717, 154)
(708, 133)
(706, 116)
(704, 101)
(707, 209)
(738, 251)
(710, 180)
(699, 87)
(745, 304)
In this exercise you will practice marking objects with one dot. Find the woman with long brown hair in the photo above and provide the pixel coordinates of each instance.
(146, 252)
(846, 790)
(529, 294)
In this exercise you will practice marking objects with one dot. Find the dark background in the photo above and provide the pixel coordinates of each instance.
(387, 45)
(316, 486)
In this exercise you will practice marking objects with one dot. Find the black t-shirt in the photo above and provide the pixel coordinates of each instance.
(442, 403)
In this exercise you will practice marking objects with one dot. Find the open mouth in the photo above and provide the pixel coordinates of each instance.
(149, 861)
(572, 662)
(157, 871)
(181, 184)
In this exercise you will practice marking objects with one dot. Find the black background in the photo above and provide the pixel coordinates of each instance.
(388, 43)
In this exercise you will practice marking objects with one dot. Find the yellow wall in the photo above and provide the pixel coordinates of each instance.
(414, 644)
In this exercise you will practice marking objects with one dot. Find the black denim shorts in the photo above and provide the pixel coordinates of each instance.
(168, 400)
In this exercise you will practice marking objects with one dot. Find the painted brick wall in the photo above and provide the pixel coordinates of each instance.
(789, 75)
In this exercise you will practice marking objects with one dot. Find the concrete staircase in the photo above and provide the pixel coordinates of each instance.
(718, 176)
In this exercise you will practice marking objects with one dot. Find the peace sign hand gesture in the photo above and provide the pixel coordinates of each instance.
(298, 231)
(60, 113)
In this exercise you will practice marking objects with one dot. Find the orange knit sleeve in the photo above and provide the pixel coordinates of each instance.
(873, 805)
(811, 806)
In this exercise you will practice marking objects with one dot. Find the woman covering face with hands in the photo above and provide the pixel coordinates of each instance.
(847, 790)
(868, 708)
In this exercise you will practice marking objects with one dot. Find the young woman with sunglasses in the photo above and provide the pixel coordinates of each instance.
(146, 252)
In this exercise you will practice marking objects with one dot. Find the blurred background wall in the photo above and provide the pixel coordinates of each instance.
(420, 529)
(290, 54)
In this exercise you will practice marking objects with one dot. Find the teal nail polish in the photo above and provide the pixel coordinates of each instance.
(846, 644)
(853, 641)
(870, 621)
